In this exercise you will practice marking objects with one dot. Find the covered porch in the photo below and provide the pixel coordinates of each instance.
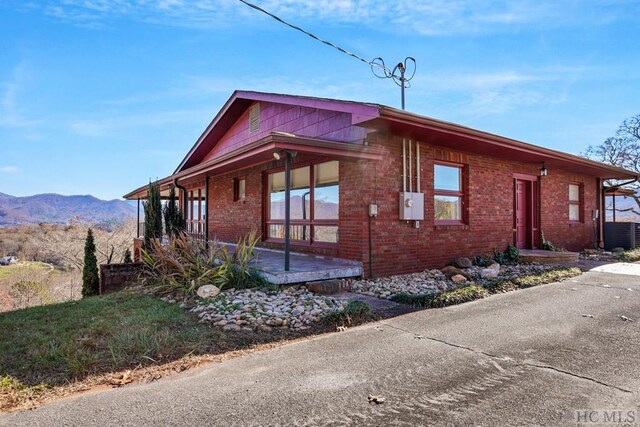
(216, 195)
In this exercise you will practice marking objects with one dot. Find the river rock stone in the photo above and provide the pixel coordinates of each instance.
(208, 291)
(458, 278)
(451, 271)
(489, 273)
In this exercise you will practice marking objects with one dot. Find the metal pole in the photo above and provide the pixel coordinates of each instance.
(287, 210)
(401, 67)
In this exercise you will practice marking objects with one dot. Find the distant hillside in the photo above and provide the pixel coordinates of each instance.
(58, 209)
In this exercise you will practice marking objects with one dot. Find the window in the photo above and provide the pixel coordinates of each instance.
(314, 199)
(196, 211)
(448, 198)
(239, 188)
(575, 202)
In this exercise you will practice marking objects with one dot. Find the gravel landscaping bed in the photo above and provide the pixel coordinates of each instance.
(292, 307)
(435, 281)
(595, 255)
(426, 282)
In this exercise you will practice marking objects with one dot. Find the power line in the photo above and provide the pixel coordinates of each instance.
(401, 80)
(313, 36)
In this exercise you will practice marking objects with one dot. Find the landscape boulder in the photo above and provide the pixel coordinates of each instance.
(451, 271)
(208, 291)
(493, 266)
(490, 272)
(458, 278)
(462, 262)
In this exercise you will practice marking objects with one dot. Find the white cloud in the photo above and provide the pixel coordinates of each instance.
(11, 115)
(426, 17)
(499, 91)
(9, 169)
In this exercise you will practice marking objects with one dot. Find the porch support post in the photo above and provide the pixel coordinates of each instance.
(287, 209)
(206, 211)
(138, 222)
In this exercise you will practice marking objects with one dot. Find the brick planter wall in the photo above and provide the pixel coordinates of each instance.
(115, 277)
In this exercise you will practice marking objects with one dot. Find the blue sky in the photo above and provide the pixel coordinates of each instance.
(99, 96)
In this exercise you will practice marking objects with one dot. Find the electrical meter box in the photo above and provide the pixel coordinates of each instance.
(411, 206)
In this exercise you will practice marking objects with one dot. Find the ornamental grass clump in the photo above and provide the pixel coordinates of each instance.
(234, 269)
(630, 256)
(179, 267)
(184, 264)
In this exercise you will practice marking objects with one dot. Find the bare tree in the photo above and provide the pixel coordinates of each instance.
(622, 150)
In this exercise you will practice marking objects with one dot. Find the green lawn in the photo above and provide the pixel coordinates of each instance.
(49, 346)
(56, 343)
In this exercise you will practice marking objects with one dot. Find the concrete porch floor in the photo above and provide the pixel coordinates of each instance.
(302, 267)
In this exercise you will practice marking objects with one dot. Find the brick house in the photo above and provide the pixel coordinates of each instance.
(396, 191)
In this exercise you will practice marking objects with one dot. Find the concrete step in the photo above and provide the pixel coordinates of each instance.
(328, 287)
(547, 257)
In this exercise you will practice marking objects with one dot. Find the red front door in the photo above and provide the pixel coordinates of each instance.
(523, 213)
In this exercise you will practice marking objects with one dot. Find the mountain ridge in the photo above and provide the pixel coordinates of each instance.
(59, 209)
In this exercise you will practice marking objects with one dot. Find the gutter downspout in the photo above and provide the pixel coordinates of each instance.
(598, 222)
(183, 198)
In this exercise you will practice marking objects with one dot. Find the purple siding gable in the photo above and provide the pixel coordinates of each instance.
(329, 119)
(297, 120)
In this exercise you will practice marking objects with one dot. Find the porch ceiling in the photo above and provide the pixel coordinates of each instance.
(260, 152)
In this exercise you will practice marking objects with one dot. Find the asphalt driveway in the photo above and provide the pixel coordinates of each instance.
(543, 356)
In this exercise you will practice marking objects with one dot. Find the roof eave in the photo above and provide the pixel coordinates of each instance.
(610, 171)
(269, 144)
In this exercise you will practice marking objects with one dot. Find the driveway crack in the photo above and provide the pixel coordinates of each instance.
(519, 362)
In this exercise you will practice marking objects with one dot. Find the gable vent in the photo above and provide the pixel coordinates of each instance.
(254, 117)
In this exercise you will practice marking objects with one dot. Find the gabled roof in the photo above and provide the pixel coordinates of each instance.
(372, 116)
(240, 100)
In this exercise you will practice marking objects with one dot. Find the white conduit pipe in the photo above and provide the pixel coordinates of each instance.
(418, 166)
(410, 173)
(404, 166)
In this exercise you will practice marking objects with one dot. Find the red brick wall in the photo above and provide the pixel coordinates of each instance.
(397, 245)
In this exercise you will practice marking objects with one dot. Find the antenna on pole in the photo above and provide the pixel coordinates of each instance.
(401, 80)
